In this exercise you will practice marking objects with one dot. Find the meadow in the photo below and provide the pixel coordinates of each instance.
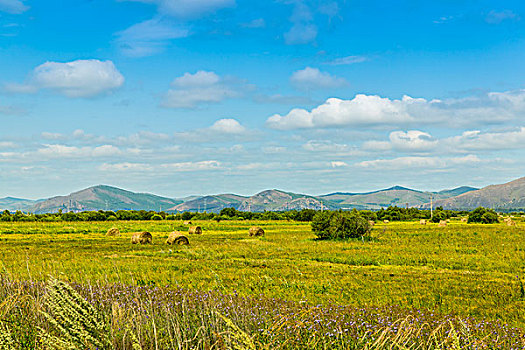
(463, 272)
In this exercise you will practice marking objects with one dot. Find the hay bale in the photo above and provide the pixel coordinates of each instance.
(422, 222)
(177, 238)
(256, 231)
(386, 221)
(442, 223)
(195, 230)
(187, 222)
(511, 223)
(371, 223)
(141, 238)
(113, 232)
(448, 220)
(464, 219)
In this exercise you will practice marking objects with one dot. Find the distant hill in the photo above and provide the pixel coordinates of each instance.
(210, 203)
(275, 200)
(393, 196)
(510, 195)
(104, 198)
(457, 191)
(506, 196)
(14, 204)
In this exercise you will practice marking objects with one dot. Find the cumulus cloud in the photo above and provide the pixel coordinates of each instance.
(149, 37)
(13, 6)
(362, 110)
(81, 78)
(312, 78)
(490, 141)
(415, 141)
(228, 126)
(193, 90)
(372, 110)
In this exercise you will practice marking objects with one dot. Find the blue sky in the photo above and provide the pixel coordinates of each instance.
(182, 97)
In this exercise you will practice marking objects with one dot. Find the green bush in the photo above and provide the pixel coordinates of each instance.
(156, 217)
(483, 215)
(339, 225)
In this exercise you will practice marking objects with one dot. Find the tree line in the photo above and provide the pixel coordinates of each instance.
(391, 213)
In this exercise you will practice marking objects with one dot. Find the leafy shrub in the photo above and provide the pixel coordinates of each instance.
(156, 217)
(483, 215)
(438, 216)
(339, 225)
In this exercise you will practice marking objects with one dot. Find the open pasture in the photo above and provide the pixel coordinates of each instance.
(466, 270)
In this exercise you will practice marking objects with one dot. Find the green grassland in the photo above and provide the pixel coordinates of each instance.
(463, 269)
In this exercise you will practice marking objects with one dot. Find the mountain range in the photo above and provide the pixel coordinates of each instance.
(505, 196)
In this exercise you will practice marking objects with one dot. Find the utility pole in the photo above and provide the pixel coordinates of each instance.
(431, 208)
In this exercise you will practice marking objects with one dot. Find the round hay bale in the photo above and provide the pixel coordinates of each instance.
(386, 221)
(256, 231)
(371, 223)
(195, 230)
(442, 223)
(464, 219)
(422, 222)
(187, 222)
(141, 238)
(113, 232)
(177, 238)
(510, 222)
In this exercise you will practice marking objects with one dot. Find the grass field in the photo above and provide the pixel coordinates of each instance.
(469, 270)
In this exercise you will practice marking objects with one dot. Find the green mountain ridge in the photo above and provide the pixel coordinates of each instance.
(103, 197)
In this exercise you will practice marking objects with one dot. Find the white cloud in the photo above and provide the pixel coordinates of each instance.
(126, 166)
(496, 17)
(228, 126)
(312, 78)
(338, 164)
(192, 166)
(193, 90)
(343, 61)
(13, 6)
(413, 140)
(81, 78)
(301, 34)
(373, 110)
(199, 79)
(491, 141)
(362, 110)
(149, 37)
(273, 149)
(7, 144)
(324, 146)
(189, 8)
(406, 163)
(64, 151)
(303, 30)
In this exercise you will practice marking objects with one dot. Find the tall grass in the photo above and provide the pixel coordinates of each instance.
(84, 316)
